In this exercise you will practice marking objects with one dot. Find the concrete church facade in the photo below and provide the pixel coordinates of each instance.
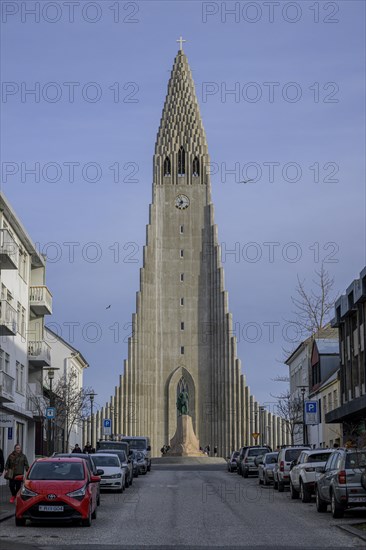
(183, 337)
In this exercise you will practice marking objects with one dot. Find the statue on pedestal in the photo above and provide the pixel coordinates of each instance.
(182, 402)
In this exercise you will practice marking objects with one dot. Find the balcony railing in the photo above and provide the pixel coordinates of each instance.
(39, 353)
(8, 319)
(9, 251)
(40, 299)
(36, 401)
(6, 387)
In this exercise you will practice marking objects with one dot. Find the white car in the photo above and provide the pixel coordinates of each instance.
(114, 475)
(303, 473)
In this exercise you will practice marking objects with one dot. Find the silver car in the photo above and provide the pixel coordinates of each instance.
(340, 482)
(266, 465)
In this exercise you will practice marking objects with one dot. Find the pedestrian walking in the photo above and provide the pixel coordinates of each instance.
(77, 449)
(15, 465)
(88, 449)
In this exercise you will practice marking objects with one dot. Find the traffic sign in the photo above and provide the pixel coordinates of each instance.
(256, 435)
(50, 412)
(107, 426)
(311, 413)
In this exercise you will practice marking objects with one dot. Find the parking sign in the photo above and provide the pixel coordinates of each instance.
(107, 426)
(311, 413)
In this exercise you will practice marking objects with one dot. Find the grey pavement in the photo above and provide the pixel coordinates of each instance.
(179, 508)
(6, 509)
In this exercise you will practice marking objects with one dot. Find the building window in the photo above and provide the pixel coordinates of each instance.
(7, 363)
(181, 162)
(9, 296)
(1, 359)
(182, 301)
(23, 325)
(19, 316)
(19, 434)
(324, 404)
(181, 229)
(335, 399)
(17, 376)
(182, 350)
(182, 253)
(182, 326)
(23, 264)
(167, 169)
(195, 167)
(182, 277)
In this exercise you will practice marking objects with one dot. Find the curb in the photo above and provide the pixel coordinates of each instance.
(6, 515)
(353, 531)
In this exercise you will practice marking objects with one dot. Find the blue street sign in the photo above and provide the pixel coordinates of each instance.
(107, 426)
(10, 433)
(50, 412)
(311, 413)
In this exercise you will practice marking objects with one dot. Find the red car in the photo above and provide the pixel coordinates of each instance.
(57, 489)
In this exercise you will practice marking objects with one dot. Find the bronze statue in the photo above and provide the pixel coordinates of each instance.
(182, 402)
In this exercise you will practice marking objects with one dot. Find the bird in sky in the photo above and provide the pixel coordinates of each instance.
(108, 307)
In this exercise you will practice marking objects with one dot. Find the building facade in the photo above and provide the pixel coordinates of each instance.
(183, 333)
(350, 320)
(25, 300)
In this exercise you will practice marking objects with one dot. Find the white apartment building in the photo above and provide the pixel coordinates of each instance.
(25, 300)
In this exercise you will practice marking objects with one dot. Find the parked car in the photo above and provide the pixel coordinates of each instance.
(232, 464)
(140, 443)
(248, 465)
(303, 472)
(266, 465)
(339, 483)
(135, 466)
(142, 462)
(57, 489)
(281, 471)
(114, 476)
(92, 467)
(126, 463)
(240, 459)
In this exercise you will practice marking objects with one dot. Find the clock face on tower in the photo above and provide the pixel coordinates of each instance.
(182, 202)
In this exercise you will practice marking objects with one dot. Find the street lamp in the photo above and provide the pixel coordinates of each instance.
(304, 434)
(91, 396)
(51, 431)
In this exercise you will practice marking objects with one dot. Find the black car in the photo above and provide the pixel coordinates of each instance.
(92, 468)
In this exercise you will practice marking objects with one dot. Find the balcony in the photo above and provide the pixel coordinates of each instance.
(8, 319)
(36, 401)
(39, 353)
(6, 387)
(9, 251)
(40, 299)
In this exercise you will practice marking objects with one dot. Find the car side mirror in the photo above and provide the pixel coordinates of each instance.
(148, 448)
(19, 478)
(100, 472)
(95, 479)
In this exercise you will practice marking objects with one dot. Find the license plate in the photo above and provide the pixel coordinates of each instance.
(42, 508)
(357, 499)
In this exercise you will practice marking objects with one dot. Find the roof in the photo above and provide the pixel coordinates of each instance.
(327, 346)
(78, 354)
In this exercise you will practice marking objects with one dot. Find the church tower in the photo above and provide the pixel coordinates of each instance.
(182, 327)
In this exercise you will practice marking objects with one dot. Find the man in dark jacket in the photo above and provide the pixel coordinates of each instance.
(77, 449)
(15, 465)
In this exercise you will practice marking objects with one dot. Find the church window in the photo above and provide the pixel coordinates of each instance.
(181, 162)
(182, 350)
(182, 253)
(167, 166)
(182, 301)
(182, 326)
(182, 277)
(196, 167)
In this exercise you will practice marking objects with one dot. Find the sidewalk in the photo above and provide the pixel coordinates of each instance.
(7, 510)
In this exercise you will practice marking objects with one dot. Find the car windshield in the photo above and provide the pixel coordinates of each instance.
(318, 457)
(356, 460)
(235, 454)
(106, 461)
(137, 443)
(57, 471)
(272, 458)
(257, 452)
(292, 454)
(121, 454)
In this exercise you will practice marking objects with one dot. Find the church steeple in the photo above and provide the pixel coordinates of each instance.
(181, 153)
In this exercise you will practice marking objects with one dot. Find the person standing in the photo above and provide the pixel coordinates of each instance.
(88, 449)
(15, 465)
(77, 449)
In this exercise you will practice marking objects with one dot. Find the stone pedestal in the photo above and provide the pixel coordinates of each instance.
(184, 442)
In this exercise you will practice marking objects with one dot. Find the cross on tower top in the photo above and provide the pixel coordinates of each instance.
(181, 40)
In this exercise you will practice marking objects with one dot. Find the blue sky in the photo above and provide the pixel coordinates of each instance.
(307, 143)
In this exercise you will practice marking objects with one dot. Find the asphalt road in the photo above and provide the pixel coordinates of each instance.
(174, 507)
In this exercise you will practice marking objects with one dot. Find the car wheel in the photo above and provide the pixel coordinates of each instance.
(121, 489)
(149, 468)
(94, 514)
(260, 481)
(321, 505)
(281, 487)
(127, 483)
(265, 480)
(131, 480)
(88, 521)
(336, 507)
(305, 494)
(20, 522)
(144, 472)
(245, 473)
(293, 492)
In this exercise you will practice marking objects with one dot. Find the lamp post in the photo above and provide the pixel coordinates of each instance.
(304, 434)
(51, 426)
(91, 396)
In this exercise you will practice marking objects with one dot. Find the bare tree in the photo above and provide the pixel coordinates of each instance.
(312, 307)
(290, 410)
